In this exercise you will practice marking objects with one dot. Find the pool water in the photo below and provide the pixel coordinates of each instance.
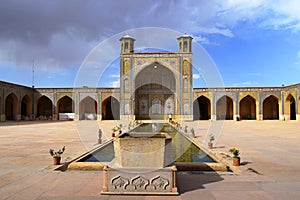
(183, 150)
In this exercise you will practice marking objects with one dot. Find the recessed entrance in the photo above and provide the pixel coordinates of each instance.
(25, 107)
(270, 108)
(110, 109)
(201, 108)
(11, 107)
(154, 94)
(225, 108)
(290, 107)
(88, 109)
(44, 107)
(248, 108)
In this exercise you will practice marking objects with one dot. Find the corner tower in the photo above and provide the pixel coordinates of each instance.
(127, 44)
(185, 44)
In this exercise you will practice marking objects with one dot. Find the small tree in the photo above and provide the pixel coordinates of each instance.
(236, 159)
(99, 136)
(99, 133)
(193, 132)
(57, 153)
(235, 152)
(211, 138)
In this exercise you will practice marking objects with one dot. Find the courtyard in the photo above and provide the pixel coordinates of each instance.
(269, 168)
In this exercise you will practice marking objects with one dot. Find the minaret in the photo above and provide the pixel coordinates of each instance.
(185, 44)
(127, 44)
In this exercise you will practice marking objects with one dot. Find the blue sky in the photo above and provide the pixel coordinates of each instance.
(252, 42)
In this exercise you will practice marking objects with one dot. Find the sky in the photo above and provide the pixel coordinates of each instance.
(251, 42)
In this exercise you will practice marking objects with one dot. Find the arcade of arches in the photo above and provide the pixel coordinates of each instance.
(257, 105)
(153, 85)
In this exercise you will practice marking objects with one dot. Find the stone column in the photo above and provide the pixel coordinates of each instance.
(18, 115)
(54, 114)
(2, 114)
(76, 110)
(213, 107)
(297, 104)
(259, 108)
(99, 111)
(32, 116)
(281, 107)
(236, 115)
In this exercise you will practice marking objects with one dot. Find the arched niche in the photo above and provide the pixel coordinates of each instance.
(110, 109)
(11, 107)
(247, 108)
(224, 108)
(270, 108)
(202, 108)
(88, 109)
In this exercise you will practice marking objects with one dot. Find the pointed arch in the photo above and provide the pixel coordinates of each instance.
(224, 108)
(110, 109)
(26, 107)
(44, 107)
(290, 107)
(65, 105)
(270, 108)
(299, 106)
(202, 108)
(88, 109)
(11, 107)
(248, 108)
(153, 82)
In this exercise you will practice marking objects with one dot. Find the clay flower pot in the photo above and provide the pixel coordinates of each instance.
(113, 135)
(56, 160)
(99, 140)
(236, 161)
(210, 145)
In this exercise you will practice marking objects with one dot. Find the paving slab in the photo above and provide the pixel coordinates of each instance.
(269, 153)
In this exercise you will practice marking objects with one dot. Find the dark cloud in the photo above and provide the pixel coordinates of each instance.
(61, 33)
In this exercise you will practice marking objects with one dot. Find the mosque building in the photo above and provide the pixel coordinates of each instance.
(153, 85)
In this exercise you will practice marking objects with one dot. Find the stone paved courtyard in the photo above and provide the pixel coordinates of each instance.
(270, 152)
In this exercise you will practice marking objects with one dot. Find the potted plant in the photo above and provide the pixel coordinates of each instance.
(129, 125)
(99, 136)
(193, 132)
(57, 155)
(211, 139)
(114, 130)
(236, 159)
(120, 128)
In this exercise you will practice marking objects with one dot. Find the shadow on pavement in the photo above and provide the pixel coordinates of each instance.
(189, 181)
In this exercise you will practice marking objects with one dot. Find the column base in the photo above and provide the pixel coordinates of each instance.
(236, 118)
(54, 117)
(284, 117)
(213, 117)
(2, 118)
(127, 117)
(186, 117)
(259, 117)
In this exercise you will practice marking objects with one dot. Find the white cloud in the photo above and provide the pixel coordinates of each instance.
(115, 75)
(114, 84)
(196, 76)
(246, 83)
